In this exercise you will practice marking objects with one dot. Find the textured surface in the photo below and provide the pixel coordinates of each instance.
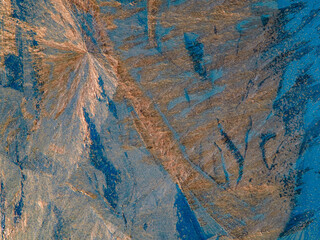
(159, 119)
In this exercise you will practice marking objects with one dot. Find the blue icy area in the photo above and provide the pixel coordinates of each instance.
(116, 188)
(298, 96)
(299, 93)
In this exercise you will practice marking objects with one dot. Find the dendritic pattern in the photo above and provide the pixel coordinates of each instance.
(159, 119)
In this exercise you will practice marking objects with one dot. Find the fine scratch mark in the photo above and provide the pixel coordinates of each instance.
(226, 174)
(234, 150)
(247, 137)
(153, 8)
(2, 210)
(264, 139)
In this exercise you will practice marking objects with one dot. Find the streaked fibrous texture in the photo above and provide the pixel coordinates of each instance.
(159, 119)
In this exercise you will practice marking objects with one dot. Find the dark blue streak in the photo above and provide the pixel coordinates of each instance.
(112, 108)
(19, 207)
(2, 209)
(14, 71)
(101, 84)
(100, 162)
(187, 95)
(247, 137)
(195, 50)
(58, 229)
(234, 150)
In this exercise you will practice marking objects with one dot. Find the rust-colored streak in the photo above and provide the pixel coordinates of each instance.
(153, 7)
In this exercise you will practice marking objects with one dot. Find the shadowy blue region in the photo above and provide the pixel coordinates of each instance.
(299, 87)
(14, 70)
(187, 226)
(299, 94)
(103, 92)
(18, 10)
(305, 216)
(100, 162)
(210, 228)
(39, 162)
(264, 19)
(303, 22)
(2, 209)
(19, 207)
(14, 66)
(16, 150)
(144, 203)
(145, 226)
(289, 77)
(297, 102)
(103, 79)
(298, 67)
(294, 102)
(58, 227)
(196, 52)
(36, 85)
(33, 42)
(112, 108)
